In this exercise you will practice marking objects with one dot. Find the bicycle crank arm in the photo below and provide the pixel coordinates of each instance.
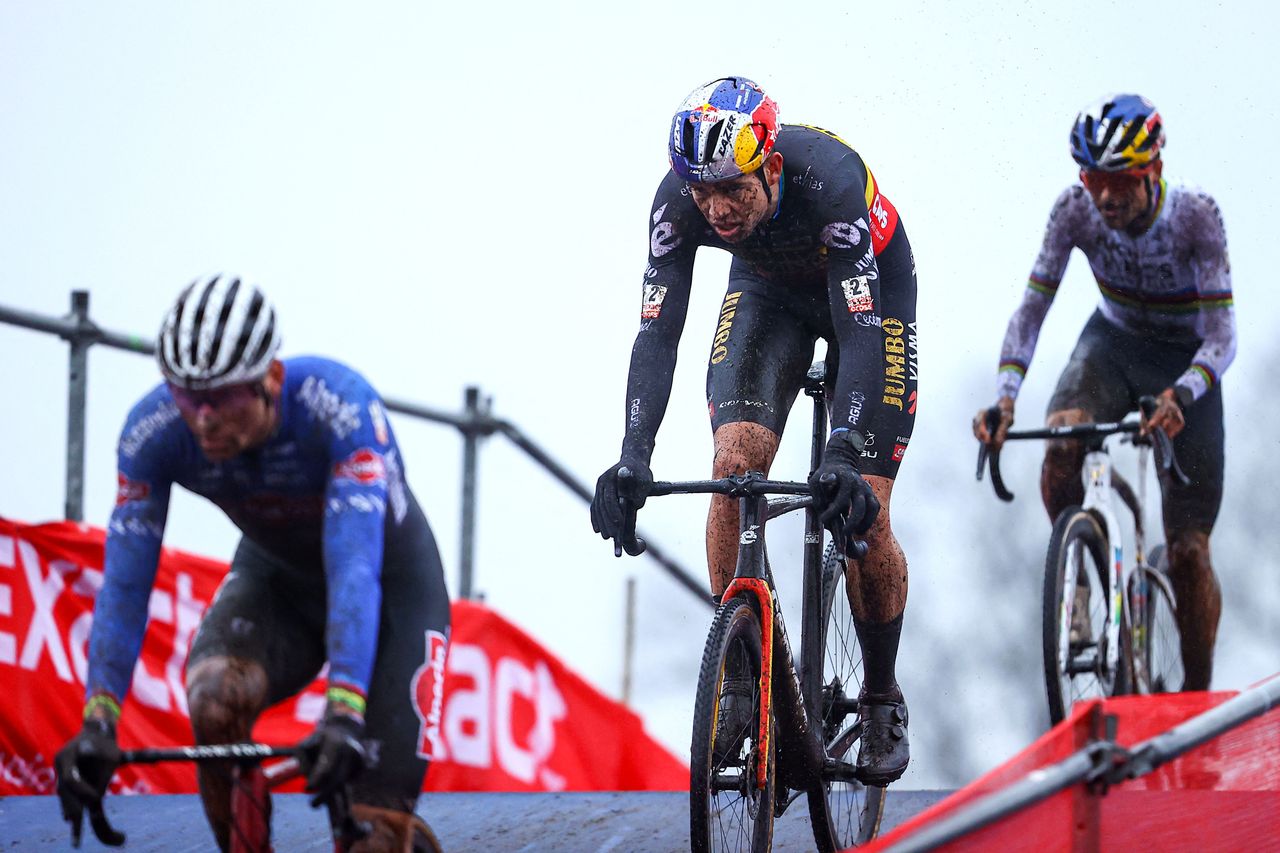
(835, 770)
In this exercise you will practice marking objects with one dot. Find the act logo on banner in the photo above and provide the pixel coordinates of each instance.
(497, 711)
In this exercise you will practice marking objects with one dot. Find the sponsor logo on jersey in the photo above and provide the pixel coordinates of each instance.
(844, 235)
(895, 362)
(913, 355)
(899, 450)
(365, 466)
(857, 293)
(165, 414)
(719, 350)
(807, 180)
(130, 490)
(328, 408)
(427, 690)
(651, 303)
(865, 319)
(378, 417)
(663, 239)
(750, 404)
(856, 399)
(868, 446)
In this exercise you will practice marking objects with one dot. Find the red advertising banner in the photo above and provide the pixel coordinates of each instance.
(513, 717)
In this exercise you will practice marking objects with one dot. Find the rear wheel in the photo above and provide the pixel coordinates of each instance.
(1157, 644)
(1076, 614)
(843, 811)
(728, 809)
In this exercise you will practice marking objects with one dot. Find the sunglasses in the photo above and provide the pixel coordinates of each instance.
(215, 398)
(1127, 181)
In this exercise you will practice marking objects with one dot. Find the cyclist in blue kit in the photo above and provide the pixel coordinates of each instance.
(818, 252)
(336, 564)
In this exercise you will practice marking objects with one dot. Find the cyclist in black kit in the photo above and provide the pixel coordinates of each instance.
(818, 252)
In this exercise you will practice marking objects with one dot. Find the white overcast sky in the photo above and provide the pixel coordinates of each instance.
(452, 194)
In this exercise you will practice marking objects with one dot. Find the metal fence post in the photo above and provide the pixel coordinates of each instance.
(470, 451)
(628, 640)
(77, 388)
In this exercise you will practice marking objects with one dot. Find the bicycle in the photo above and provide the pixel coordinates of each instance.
(252, 780)
(1108, 627)
(802, 722)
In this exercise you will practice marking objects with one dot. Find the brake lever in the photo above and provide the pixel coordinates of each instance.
(628, 541)
(1166, 459)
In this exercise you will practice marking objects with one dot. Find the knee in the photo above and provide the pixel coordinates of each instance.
(224, 695)
(1189, 551)
(1062, 459)
(743, 447)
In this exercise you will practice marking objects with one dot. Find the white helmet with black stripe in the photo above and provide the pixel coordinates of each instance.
(220, 331)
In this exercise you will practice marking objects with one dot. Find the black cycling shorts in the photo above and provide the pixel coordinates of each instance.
(758, 364)
(1109, 370)
(273, 612)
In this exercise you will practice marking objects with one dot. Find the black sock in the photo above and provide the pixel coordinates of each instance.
(879, 653)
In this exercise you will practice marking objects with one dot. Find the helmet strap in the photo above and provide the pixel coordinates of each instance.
(768, 193)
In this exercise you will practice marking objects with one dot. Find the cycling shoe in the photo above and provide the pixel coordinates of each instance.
(883, 749)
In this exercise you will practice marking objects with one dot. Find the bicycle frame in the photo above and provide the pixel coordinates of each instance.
(795, 711)
(1096, 473)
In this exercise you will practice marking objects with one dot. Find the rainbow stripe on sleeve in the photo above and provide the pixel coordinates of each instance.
(1206, 372)
(1014, 366)
(1043, 285)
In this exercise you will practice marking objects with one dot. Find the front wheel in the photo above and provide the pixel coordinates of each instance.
(843, 811)
(1157, 643)
(1076, 614)
(728, 809)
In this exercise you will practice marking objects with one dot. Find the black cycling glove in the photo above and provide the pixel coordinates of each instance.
(606, 512)
(838, 488)
(84, 768)
(333, 755)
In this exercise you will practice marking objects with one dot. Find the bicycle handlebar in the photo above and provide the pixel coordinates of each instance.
(209, 752)
(343, 825)
(1161, 444)
(737, 486)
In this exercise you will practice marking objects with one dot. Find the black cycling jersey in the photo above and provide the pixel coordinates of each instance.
(822, 245)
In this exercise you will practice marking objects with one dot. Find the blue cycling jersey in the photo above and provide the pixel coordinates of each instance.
(325, 490)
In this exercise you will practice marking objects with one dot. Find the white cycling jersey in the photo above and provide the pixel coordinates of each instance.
(1172, 282)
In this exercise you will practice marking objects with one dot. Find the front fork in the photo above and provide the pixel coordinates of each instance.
(752, 582)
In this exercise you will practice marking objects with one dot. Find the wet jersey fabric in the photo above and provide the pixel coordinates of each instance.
(1171, 283)
(323, 494)
(1110, 369)
(267, 610)
(831, 224)
(761, 355)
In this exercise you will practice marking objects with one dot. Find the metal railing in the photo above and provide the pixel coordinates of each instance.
(474, 423)
(1100, 763)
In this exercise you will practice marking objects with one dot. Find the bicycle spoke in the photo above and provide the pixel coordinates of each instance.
(843, 811)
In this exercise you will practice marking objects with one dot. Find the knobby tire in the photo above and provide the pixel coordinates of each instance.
(739, 818)
(1078, 540)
